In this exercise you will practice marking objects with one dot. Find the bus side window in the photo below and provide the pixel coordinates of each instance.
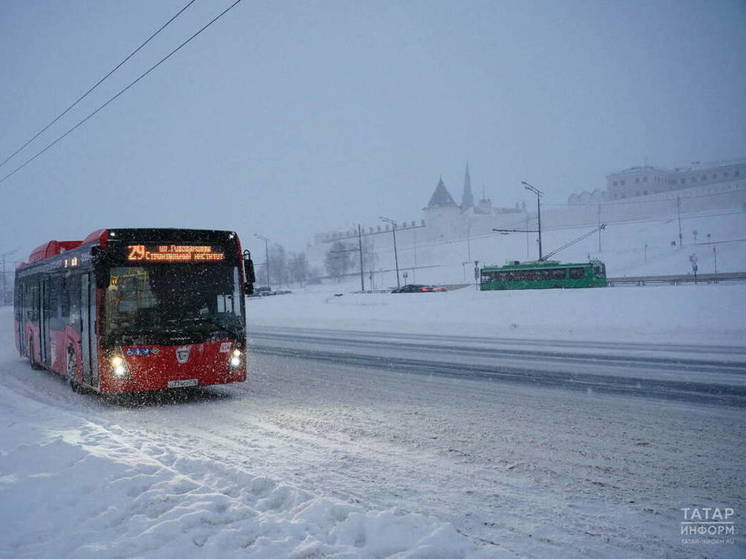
(34, 302)
(18, 302)
(65, 300)
(73, 290)
(56, 294)
(26, 301)
(577, 273)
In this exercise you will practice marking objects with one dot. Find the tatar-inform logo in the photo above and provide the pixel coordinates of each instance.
(182, 354)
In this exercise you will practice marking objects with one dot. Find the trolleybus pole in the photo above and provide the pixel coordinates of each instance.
(539, 194)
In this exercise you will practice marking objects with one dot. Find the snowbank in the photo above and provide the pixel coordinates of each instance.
(701, 314)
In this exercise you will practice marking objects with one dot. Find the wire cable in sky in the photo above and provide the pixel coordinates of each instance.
(141, 76)
(99, 82)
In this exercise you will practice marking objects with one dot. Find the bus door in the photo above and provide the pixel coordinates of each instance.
(21, 302)
(88, 341)
(44, 322)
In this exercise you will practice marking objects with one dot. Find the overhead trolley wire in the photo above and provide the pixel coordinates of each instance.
(94, 86)
(113, 98)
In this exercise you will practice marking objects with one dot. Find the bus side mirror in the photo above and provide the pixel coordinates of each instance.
(248, 268)
(100, 267)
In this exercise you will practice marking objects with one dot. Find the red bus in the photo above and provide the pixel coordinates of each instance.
(129, 310)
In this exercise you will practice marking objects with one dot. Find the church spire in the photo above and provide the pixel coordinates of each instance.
(467, 200)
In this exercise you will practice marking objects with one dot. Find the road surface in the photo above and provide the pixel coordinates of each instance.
(528, 448)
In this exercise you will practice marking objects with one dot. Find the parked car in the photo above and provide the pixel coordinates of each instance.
(417, 288)
(266, 292)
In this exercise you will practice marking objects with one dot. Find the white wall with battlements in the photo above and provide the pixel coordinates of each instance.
(446, 237)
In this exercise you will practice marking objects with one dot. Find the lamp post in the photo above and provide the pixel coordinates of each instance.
(360, 248)
(539, 194)
(266, 252)
(715, 254)
(396, 256)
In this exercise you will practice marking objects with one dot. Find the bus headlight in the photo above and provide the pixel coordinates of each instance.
(119, 367)
(235, 360)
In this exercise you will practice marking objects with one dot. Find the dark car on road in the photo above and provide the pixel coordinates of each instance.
(416, 288)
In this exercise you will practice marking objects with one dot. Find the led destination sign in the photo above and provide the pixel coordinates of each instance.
(174, 253)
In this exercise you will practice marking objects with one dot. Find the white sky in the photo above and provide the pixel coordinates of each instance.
(289, 118)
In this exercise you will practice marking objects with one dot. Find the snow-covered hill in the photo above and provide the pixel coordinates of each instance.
(630, 248)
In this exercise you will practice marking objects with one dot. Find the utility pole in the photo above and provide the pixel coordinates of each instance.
(266, 253)
(414, 269)
(599, 228)
(678, 213)
(396, 256)
(539, 194)
(468, 239)
(360, 246)
(715, 254)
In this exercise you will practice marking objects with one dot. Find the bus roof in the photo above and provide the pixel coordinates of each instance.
(51, 248)
(101, 237)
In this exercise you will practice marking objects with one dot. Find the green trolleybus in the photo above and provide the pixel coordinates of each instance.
(543, 275)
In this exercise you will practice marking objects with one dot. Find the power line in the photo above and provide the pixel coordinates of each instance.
(141, 76)
(99, 82)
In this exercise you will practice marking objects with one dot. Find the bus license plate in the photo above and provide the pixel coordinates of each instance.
(182, 383)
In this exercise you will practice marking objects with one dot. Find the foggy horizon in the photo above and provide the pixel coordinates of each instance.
(289, 120)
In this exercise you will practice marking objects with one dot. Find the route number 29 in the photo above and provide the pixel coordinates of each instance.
(137, 252)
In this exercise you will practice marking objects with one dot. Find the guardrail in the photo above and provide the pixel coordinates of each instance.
(679, 279)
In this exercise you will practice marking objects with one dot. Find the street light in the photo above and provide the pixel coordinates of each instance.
(396, 256)
(266, 252)
(539, 194)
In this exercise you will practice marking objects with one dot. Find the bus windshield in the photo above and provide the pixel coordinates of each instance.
(199, 300)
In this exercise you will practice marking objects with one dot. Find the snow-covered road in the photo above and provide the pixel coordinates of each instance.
(309, 457)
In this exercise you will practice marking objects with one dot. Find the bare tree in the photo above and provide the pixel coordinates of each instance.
(298, 268)
(278, 264)
(338, 260)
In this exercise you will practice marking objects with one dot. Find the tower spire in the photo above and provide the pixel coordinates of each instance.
(467, 199)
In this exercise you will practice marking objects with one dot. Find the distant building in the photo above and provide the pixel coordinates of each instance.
(648, 180)
(446, 232)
